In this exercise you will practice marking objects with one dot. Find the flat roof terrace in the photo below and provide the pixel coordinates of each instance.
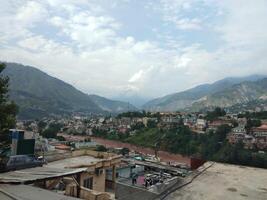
(225, 182)
(75, 162)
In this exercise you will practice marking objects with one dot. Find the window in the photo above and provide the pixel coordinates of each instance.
(88, 183)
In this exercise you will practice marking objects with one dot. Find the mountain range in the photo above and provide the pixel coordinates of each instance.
(223, 93)
(38, 95)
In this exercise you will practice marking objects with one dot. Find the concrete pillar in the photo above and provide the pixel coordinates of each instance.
(80, 184)
(114, 176)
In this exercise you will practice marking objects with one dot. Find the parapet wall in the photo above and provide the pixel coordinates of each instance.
(54, 156)
(127, 192)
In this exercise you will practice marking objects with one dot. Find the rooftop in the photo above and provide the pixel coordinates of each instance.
(262, 127)
(27, 192)
(74, 162)
(223, 182)
(69, 164)
(38, 173)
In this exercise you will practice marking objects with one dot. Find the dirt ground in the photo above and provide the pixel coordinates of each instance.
(164, 156)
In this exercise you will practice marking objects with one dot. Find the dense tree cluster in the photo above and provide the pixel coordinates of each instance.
(217, 112)
(8, 109)
(254, 115)
(211, 146)
(101, 148)
(111, 135)
(252, 123)
(52, 130)
(138, 114)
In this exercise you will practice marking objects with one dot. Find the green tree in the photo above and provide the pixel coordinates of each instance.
(138, 126)
(151, 124)
(101, 148)
(41, 126)
(52, 130)
(217, 112)
(124, 151)
(8, 109)
(252, 123)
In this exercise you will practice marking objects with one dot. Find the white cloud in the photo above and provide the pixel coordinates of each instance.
(245, 22)
(40, 44)
(31, 12)
(182, 62)
(82, 43)
(86, 29)
(176, 13)
(188, 23)
(137, 76)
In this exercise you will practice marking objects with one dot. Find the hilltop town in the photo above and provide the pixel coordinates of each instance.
(147, 168)
(250, 129)
(133, 100)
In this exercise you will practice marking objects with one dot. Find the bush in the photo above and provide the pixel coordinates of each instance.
(101, 148)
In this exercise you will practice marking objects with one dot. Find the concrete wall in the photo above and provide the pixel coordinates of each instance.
(123, 172)
(127, 192)
(138, 169)
(92, 195)
(57, 156)
(98, 181)
(54, 156)
(71, 190)
(166, 185)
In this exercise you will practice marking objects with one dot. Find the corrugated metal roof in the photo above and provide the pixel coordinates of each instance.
(37, 173)
(21, 192)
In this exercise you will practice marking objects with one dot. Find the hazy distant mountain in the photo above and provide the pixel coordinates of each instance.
(207, 95)
(237, 94)
(39, 94)
(133, 99)
(112, 105)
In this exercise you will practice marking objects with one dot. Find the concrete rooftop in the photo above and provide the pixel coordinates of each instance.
(74, 162)
(225, 182)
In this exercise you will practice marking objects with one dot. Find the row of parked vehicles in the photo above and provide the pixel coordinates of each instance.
(18, 162)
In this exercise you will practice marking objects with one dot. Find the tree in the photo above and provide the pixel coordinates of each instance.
(8, 109)
(217, 112)
(60, 138)
(138, 126)
(252, 123)
(41, 126)
(124, 151)
(101, 148)
(52, 130)
(151, 124)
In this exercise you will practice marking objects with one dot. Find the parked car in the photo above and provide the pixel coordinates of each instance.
(21, 162)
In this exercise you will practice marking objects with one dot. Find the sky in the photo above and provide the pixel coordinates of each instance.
(145, 48)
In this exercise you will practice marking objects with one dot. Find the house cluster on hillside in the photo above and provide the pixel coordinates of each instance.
(254, 138)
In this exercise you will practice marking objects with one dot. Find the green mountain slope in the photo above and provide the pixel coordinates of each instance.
(237, 94)
(111, 105)
(39, 94)
(195, 97)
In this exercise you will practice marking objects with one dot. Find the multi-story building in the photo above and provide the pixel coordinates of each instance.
(201, 124)
(80, 174)
(260, 134)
